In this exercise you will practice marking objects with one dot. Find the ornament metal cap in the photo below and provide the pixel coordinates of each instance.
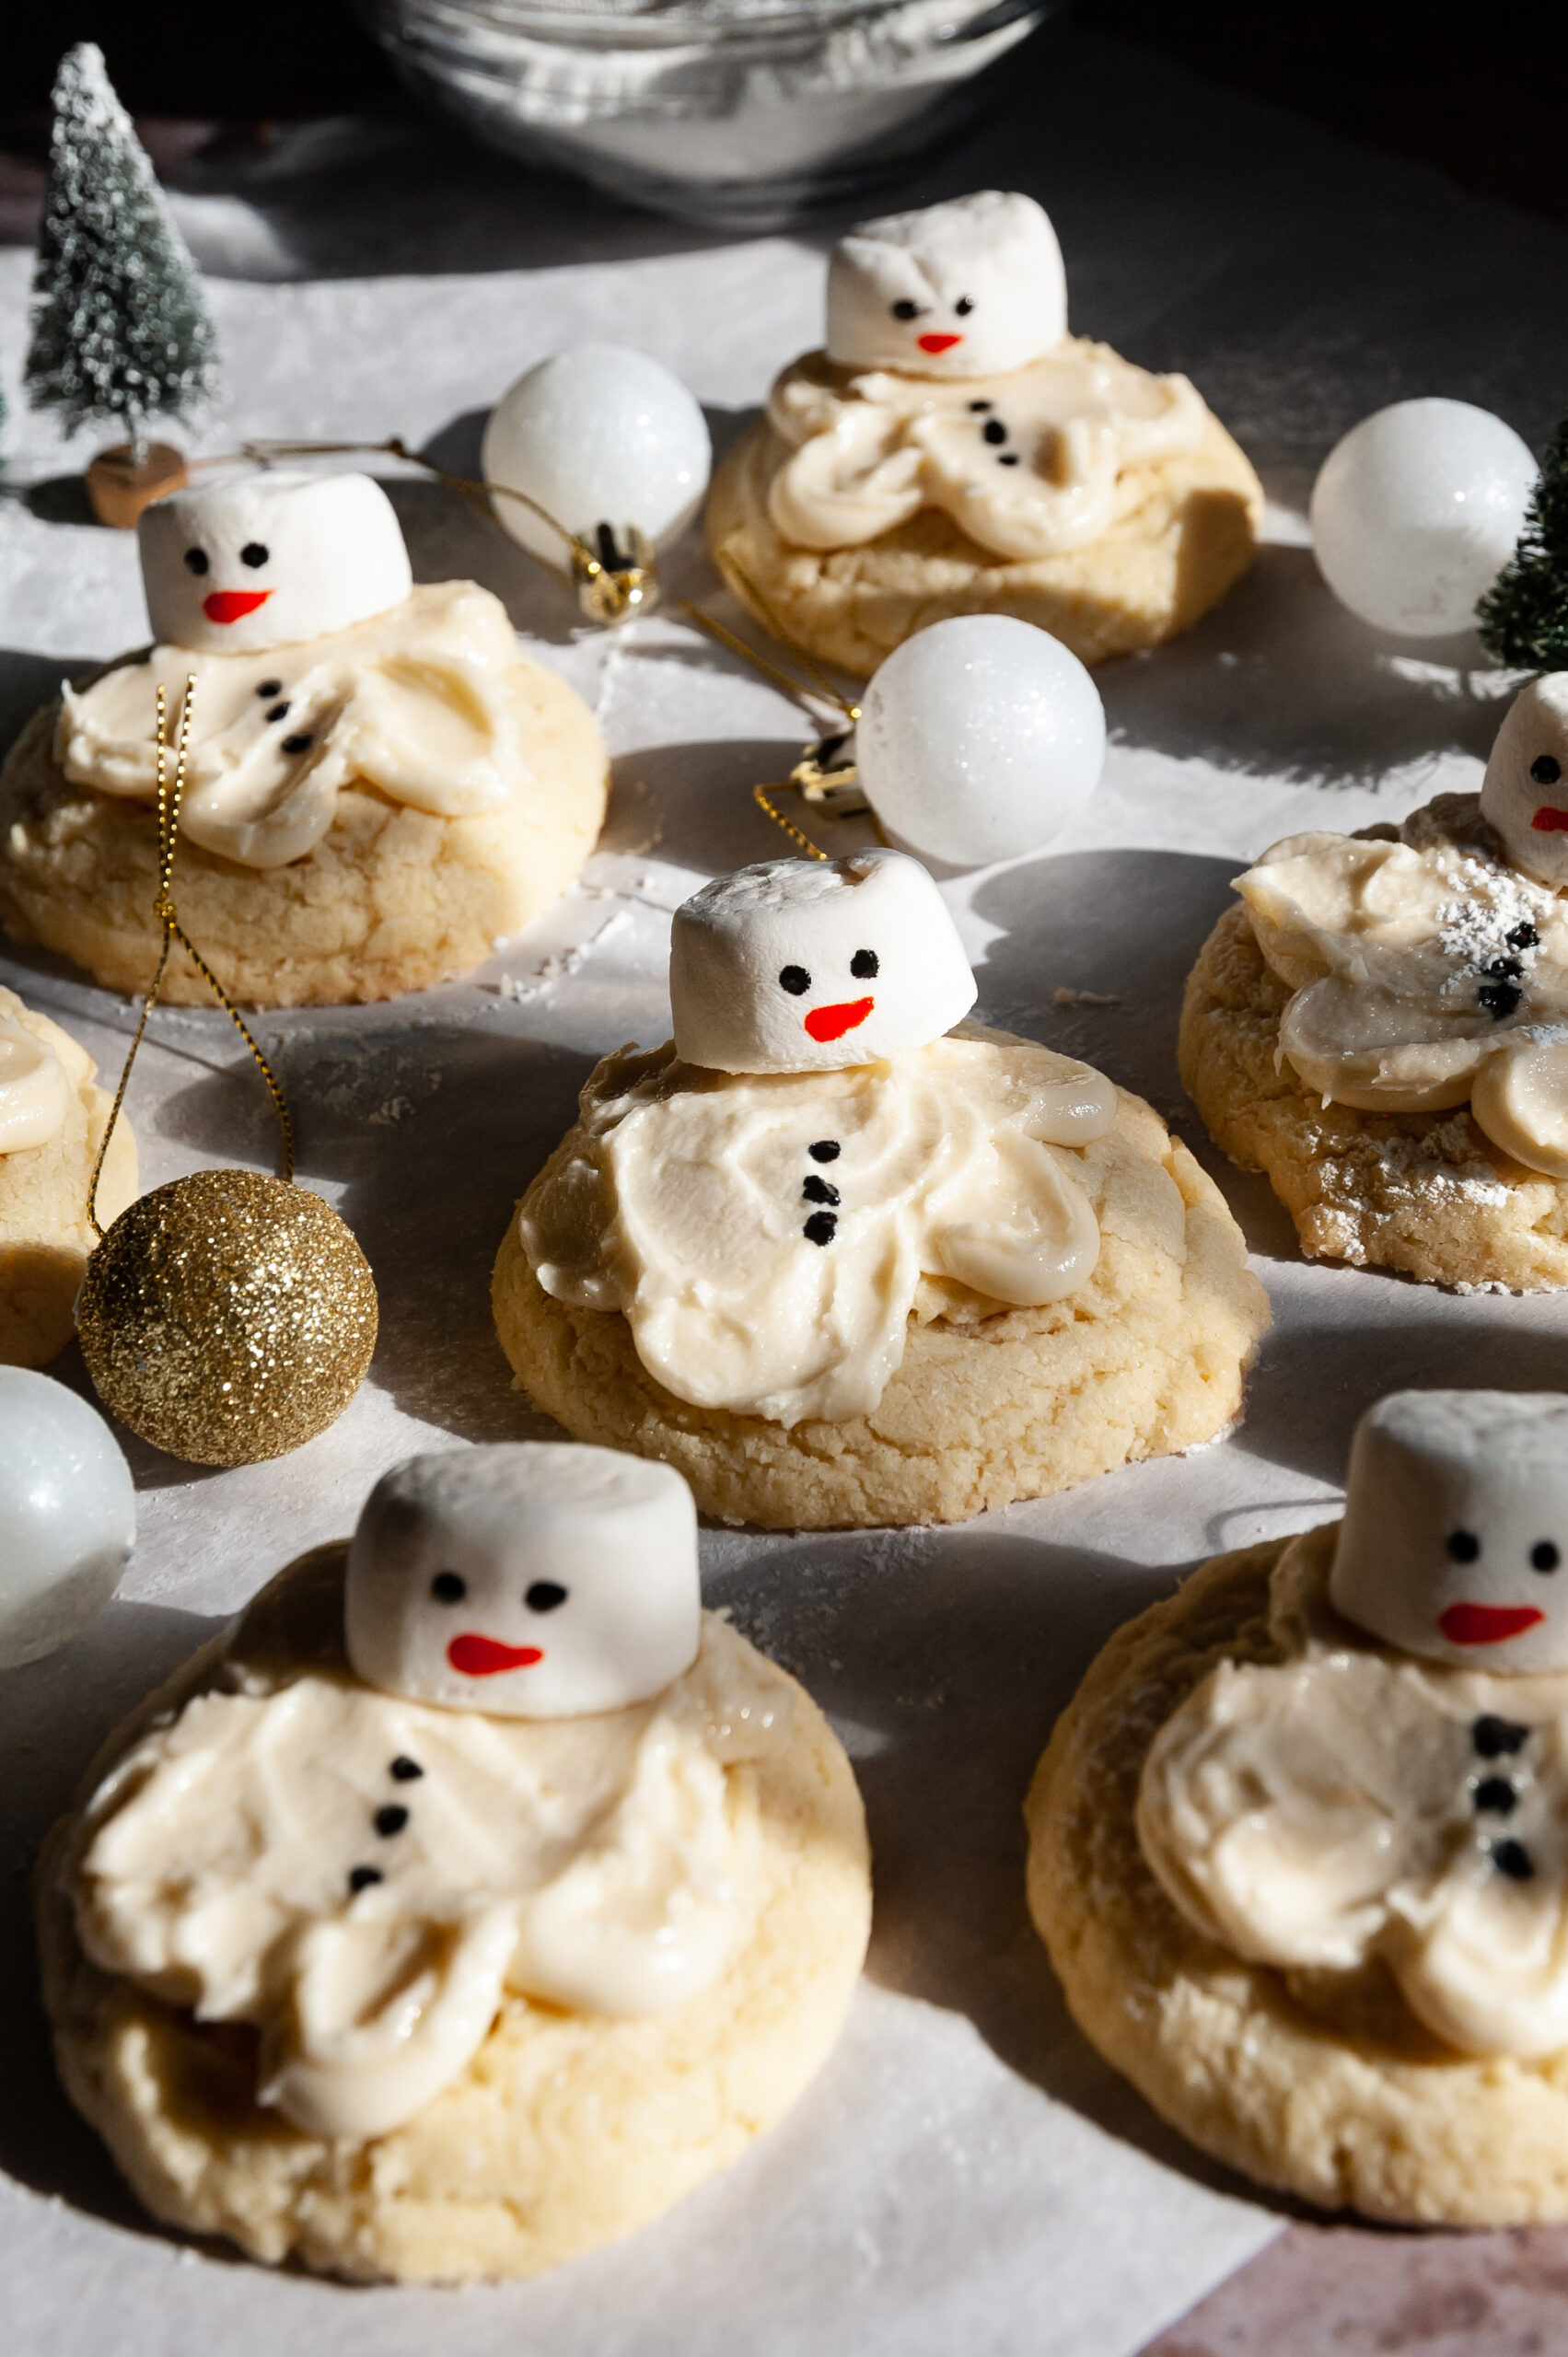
(226, 1317)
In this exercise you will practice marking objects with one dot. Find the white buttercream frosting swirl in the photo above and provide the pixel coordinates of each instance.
(365, 1879)
(35, 1094)
(417, 703)
(764, 1235)
(1027, 463)
(1349, 1803)
(1426, 972)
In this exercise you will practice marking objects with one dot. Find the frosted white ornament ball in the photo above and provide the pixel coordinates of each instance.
(598, 435)
(1416, 511)
(980, 738)
(67, 1515)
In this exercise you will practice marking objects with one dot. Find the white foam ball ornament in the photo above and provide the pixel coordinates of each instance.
(980, 738)
(67, 1515)
(1416, 511)
(598, 435)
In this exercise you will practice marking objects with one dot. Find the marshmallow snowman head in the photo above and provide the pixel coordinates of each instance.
(528, 1580)
(970, 288)
(810, 965)
(269, 560)
(1454, 1540)
(1525, 791)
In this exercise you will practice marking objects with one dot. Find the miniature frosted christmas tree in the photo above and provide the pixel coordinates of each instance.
(1522, 619)
(120, 328)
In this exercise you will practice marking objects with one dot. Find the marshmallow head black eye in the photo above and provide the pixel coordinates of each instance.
(196, 560)
(1544, 1556)
(449, 1587)
(863, 964)
(544, 1595)
(254, 555)
(906, 310)
(963, 306)
(1463, 1546)
(795, 980)
(1546, 770)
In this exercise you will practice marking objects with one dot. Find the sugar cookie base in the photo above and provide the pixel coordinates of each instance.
(1145, 1360)
(1425, 1192)
(391, 900)
(45, 1234)
(565, 2132)
(1184, 531)
(1324, 2085)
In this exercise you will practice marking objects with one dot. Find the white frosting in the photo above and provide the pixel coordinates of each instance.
(1426, 973)
(1525, 791)
(1029, 463)
(802, 965)
(35, 1094)
(418, 702)
(764, 1278)
(962, 289)
(528, 1580)
(1349, 1803)
(270, 561)
(606, 1865)
(1455, 1541)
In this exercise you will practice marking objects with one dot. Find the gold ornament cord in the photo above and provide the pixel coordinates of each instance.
(168, 799)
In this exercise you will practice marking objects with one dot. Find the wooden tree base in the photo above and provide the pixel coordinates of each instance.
(118, 491)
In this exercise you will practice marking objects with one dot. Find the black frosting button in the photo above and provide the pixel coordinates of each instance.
(819, 1190)
(1496, 1796)
(1494, 1738)
(821, 1228)
(825, 1150)
(1512, 1858)
(361, 1877)
(403, 1769)
(391, 1819)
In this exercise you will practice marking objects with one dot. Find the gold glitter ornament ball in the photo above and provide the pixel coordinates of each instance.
(228, 1317)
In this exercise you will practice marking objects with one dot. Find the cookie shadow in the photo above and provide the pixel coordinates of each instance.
(53, 1715)
(27, 680)
(943, 1658)
(1243, 690)
(431, 1131)
(1120, 929)
(1396, 1336)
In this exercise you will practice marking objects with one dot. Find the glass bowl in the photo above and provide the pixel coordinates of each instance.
(742, 112)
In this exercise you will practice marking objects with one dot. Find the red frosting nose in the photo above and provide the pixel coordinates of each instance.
(233, 605)
(1487, 1624)
(483, 1656)
(1548, 821)
(832, 1022)
(938, 343)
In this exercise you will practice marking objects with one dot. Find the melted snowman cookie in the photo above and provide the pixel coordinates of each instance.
(1350, 1756)
(949, 388)
(767, 1217)
(474, 1819)
(380, 786)
(1408, 974)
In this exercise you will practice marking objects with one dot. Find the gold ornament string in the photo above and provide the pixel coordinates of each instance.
(169, 795)
(819, 776)
(610, 584)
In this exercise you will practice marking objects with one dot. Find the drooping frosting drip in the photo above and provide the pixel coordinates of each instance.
(35, 1094)
(1350, 1802)
(764, 1235)
(1426, 972)
(1026, 463)
(364, 1878)
(417, 701)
